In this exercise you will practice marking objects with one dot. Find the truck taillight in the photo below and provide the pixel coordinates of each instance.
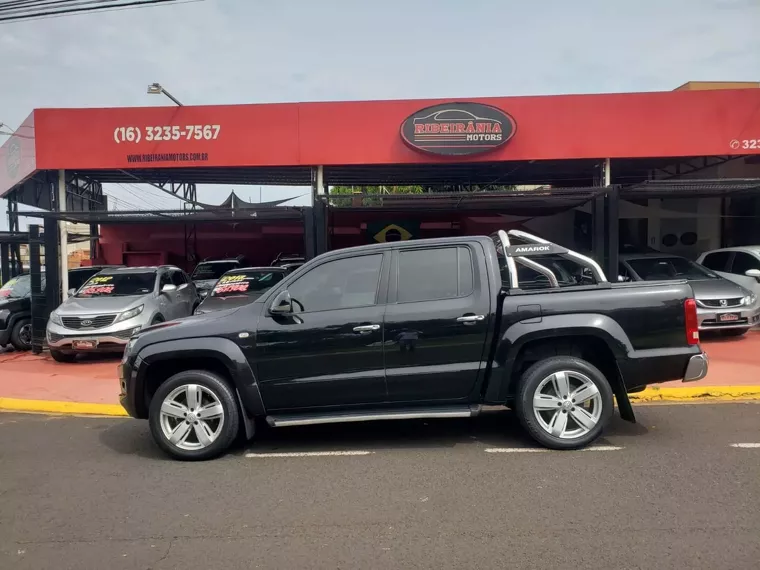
(692, 324)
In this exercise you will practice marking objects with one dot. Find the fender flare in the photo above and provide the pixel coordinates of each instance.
(554, 326)
(223, 350)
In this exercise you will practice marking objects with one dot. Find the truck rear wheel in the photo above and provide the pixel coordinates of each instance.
(564, 402)
(194, 415)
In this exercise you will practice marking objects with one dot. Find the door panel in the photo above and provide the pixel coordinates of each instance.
(436, 330)
(329, 352)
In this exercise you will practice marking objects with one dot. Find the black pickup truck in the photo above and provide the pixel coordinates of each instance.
(418, 329)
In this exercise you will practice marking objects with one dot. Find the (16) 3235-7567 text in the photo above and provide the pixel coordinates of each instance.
(166, 133)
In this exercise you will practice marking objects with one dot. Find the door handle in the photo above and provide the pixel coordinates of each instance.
(470, 319)
(364, 329)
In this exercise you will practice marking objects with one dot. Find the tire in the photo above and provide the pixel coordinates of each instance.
(542, 423)
(21, 335)
(62, 356)
(735, 332)
(175, 393)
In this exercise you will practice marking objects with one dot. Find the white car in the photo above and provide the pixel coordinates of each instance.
(739, 264)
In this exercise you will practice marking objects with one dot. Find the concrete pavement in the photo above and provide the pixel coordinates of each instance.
(94, 493)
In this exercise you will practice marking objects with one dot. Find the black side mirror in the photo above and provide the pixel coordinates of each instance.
(282, 304)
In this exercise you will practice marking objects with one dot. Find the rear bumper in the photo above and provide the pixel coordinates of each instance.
(696, 369)
(645, 367)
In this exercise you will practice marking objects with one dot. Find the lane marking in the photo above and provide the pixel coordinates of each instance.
(544, 450)
(309, 454)
(698, 393)
(746, 445)
(57, 407)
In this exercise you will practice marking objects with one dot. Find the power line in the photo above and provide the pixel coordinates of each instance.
(17, 10)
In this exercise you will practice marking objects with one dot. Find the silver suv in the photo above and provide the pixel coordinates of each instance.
(116, 303)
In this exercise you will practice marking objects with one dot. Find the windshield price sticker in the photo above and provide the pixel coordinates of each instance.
(232, 279)
(232, 288)
(131, 134)
(97, 290)
(97, 280)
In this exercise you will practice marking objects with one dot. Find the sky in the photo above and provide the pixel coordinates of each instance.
(262, 51)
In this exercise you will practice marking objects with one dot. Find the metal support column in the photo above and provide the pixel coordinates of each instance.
(38, 301)
(16, 267)
(309, 245)
(319, 209)
(5, 262)
(64, 252)
(612, 231)
(94, 233)
(53, 284)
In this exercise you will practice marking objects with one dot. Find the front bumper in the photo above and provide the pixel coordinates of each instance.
(110, 339)
(742, 318)
(131, 391)
(696, 369)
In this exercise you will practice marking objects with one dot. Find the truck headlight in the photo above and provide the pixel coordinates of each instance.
(130, 314)
(55, 318)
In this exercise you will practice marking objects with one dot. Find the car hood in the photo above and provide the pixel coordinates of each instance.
(204, 283)
(717, 289)
(221, 303)
(14, 303)
(206, 325)
(90, 305)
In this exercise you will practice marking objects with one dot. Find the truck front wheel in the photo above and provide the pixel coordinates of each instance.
(564, 402)
(194, 415)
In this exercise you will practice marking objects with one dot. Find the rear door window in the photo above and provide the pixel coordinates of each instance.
(743, 262)
(717, 261)
(434, 274)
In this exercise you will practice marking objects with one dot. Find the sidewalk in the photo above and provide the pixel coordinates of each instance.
(38, 383)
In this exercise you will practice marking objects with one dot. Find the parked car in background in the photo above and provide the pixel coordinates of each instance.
(240, 287)
(16, 305)
(738, 264)
(414, 329)
(207, 272)
(115, 304)
(721, 304)
(289, 262)
(16, 313)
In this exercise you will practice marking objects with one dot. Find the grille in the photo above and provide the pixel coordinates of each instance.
(713, 323)
(717, 303)
(88, 322)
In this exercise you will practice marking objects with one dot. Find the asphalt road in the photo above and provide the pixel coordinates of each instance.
(94, 493)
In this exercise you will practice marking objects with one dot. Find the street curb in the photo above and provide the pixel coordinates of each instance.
(651, 394)
(53, 407)
(697, 393)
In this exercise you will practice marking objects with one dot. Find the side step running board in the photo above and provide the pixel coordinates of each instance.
(373, 415)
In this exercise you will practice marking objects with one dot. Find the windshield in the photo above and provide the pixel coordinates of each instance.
(664, 268)
(119, 285)
(17, 288)
(215, 270)
(246, 283)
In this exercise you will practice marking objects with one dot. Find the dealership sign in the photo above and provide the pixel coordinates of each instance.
(457, 129)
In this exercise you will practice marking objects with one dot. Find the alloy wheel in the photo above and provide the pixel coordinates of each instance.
(25, 335)
(567, 404)
(191, 417)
